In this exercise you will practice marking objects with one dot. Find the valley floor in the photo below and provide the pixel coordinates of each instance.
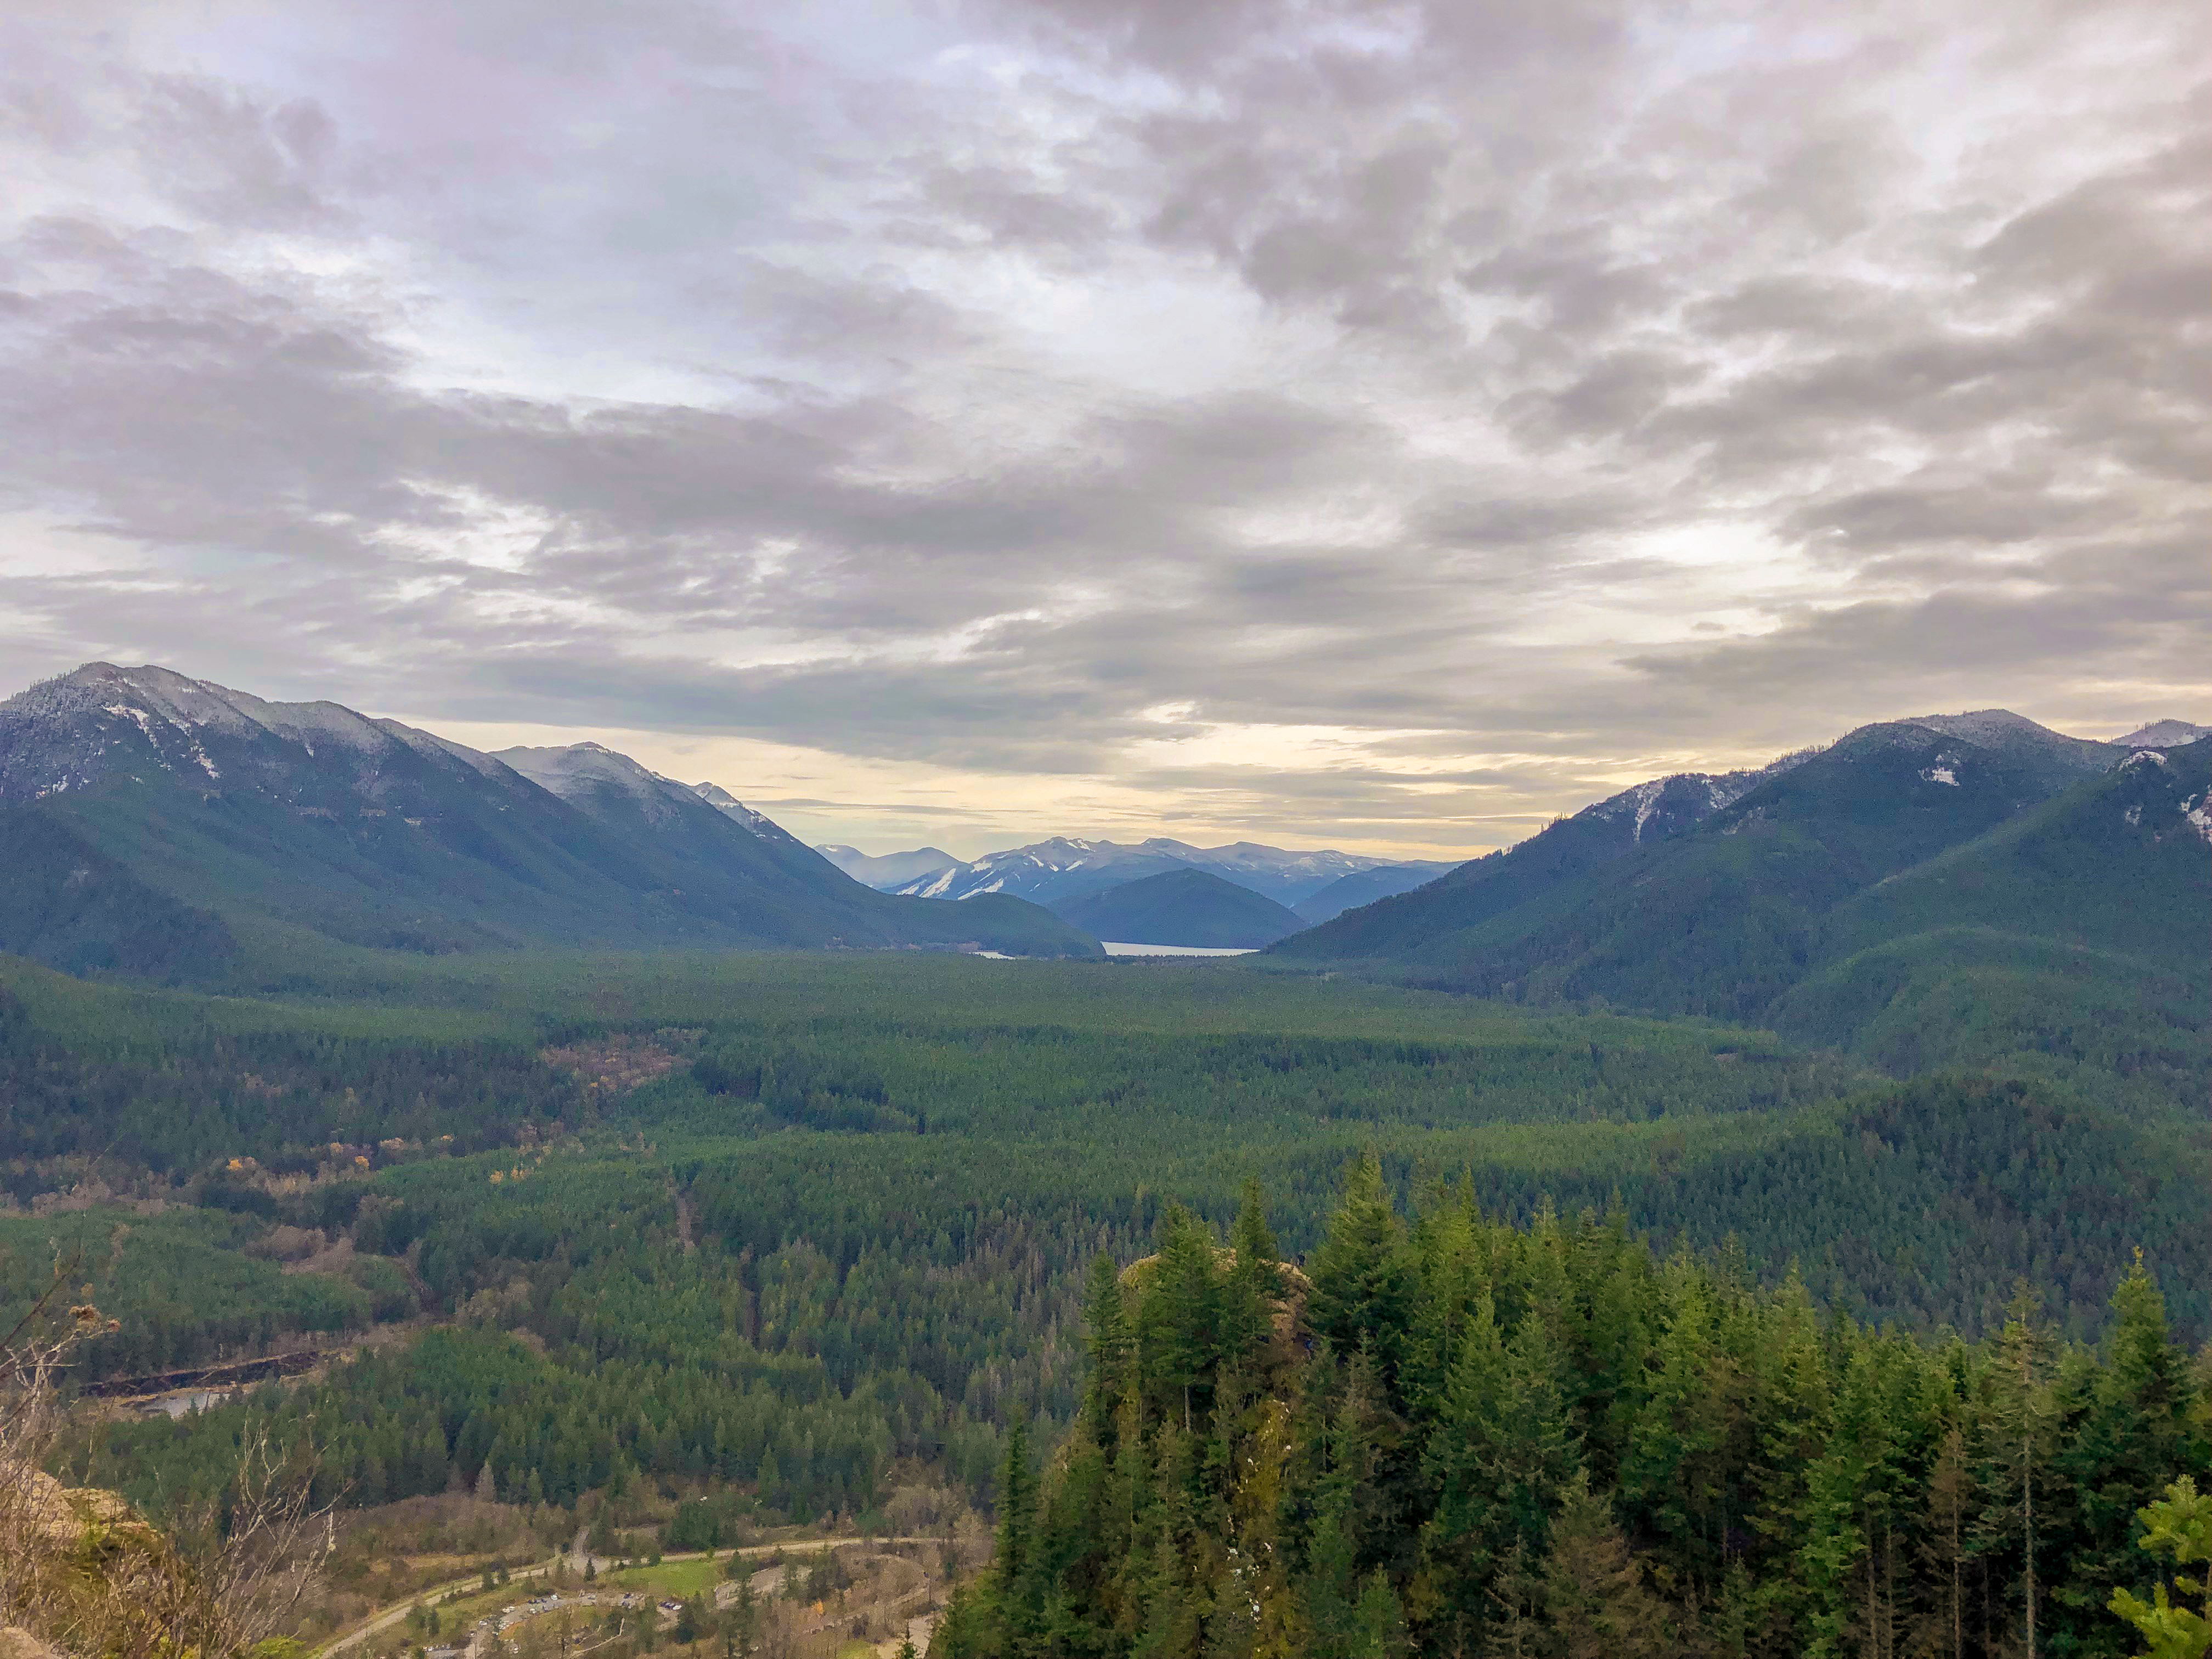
(690, 1247)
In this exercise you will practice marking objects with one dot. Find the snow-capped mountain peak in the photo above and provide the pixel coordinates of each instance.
(1066, 866)
(575, 770)
(102, 723)
(2164, 734)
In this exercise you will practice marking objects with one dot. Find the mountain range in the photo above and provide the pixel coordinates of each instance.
(1066, 867)
(1066, 873)
(1979, 876)
(171, 829)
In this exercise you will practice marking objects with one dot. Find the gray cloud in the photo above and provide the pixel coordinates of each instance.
(1504, 400)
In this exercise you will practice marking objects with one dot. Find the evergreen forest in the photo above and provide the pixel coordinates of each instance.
(1452, 1435)
(1733, 1342)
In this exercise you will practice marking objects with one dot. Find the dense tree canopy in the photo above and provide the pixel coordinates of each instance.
(1465, 1437)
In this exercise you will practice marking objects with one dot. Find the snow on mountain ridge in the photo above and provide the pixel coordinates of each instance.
(1984, 725)
(574, 770)
(2164, 734)
(100, 721)
(890, 869)
(735, 810)
(1680, 798)
(1064, 866)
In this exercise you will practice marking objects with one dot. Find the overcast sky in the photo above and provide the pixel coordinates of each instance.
(1371, 425)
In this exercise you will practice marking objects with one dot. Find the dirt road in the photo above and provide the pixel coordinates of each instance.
(385, 1618)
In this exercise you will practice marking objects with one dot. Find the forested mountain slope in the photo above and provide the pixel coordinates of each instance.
(1855, 890)
(150, 822)
(2039, 761)
(1362, 887)
(1186, 906)
(2077, 931)
(1706, 921)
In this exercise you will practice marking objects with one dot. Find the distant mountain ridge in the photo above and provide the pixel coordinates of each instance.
(1185, 907)
(158, 825)
(161, 826)
(1063, 867)
(1364, 887)
(2164, 734)
(889, 871)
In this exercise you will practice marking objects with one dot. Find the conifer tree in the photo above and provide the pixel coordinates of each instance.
(2134, 1430)
(1378, 1621)
(1112, 1347)
(1252, 1239)
(2017, 1447)
(1594, 1589)
(1363, 1275)
(1013, 1560)
(1944, 1548)
(1513, 1626)
(1674, 1475)
(2178, 1525)
(1451, 1277)
(1255, 1281)
(1187, 1322)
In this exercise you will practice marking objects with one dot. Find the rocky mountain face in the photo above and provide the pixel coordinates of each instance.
(731, 807)
(2051, 755)
(694, 822)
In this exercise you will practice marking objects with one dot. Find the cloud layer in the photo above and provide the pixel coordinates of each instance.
(1378, 424)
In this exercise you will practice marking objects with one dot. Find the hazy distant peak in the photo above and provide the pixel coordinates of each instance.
(2164, 734)
(1064, 867)
(889, 869)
